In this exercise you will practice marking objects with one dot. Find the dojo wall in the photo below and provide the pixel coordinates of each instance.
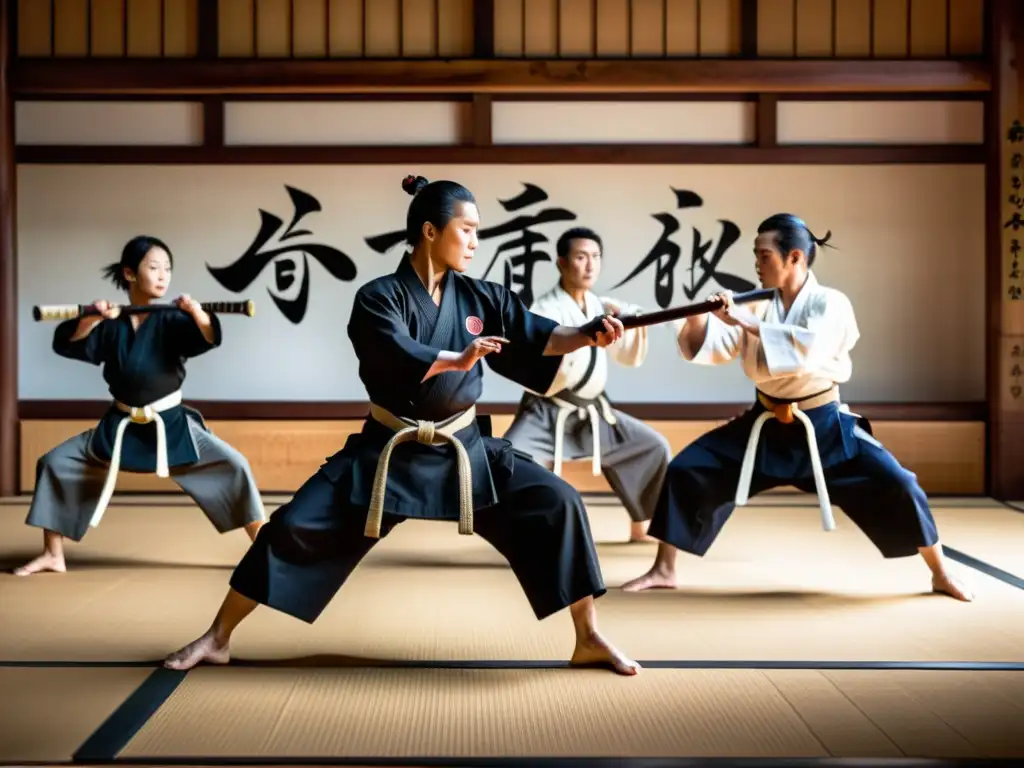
(909, 240)
(521, 28)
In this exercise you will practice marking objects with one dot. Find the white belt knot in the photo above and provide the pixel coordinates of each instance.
(787, 413)
(589, 412)
(429, 433)
(136, 414)
(425, 431)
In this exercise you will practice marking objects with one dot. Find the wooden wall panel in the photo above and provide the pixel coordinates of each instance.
(522, 28)
(814, 28)
(890, 29)
(107, 28)
(71, 27)
(309, 29)
(273, 28)
(576, 35)
(346, 28)
(775, 25)
(235, 28)
(383, 29)
(853, 28)
(34, 24)
(419, 28)
(508, 30)
(455, 28)
(613, 32)
(928, 26)
(682, 20)
(145, 27)
(181, 28)
(870, 28)
(541, 20)
(647, 28)
(720, 26)
(948, 457)
(966, 27)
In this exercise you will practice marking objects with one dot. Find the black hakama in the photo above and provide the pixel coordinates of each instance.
(537, 521)
(881, 497)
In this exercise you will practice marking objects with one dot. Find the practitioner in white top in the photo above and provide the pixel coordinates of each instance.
(796, 350)
(575, 420)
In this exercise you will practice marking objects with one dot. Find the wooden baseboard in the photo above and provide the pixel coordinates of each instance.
(947, 456)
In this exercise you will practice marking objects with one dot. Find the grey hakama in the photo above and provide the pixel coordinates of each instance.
(143, 368)
(69, 482)
(578, 422)
(632, 456)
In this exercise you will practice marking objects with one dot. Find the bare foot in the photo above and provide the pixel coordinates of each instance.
(656, 578)
(948, 585)
(641, 537)
(206, 648)
(596, 651)
(45, 562)
(638, 532)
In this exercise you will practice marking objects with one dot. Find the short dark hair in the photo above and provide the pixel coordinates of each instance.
(132, 254)
(791, 233)
(432, 201)
(576, 233)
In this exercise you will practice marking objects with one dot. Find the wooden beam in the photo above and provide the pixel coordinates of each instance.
(482, 114)
(246, 410)
(483, 29)
(1005, 347)
(193, 76)
(748, 29)
(504, 154)
(8, 269)
(768, 120)
(208, 29)
(213, 121)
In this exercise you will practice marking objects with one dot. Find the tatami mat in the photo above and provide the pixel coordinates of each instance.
(277, 714)
(775, 587)
(45, 714)
(995, 535)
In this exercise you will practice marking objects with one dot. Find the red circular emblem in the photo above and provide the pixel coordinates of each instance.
(474, 325)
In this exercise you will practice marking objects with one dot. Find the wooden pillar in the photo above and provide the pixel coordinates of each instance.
(1005, 250)
(8, 267)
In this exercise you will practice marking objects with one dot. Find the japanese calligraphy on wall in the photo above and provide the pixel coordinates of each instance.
(301, 240)
(1015, 200)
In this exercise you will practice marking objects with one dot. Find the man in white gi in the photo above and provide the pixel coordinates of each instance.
(575, 419)
(795, 348)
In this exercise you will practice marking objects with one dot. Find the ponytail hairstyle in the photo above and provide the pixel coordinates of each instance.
(791, 234)
(432, 201)
(132, 254)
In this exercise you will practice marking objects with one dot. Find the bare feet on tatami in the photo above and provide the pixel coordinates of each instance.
(45, 562)
(205, 649)
(656, 578)
(596, 651)
(952, 586)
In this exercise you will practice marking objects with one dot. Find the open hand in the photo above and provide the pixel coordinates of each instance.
(107, 310)
(478, 348)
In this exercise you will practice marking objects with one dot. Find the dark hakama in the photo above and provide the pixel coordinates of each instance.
(882, 498)
(306, 551)
(142, 367)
